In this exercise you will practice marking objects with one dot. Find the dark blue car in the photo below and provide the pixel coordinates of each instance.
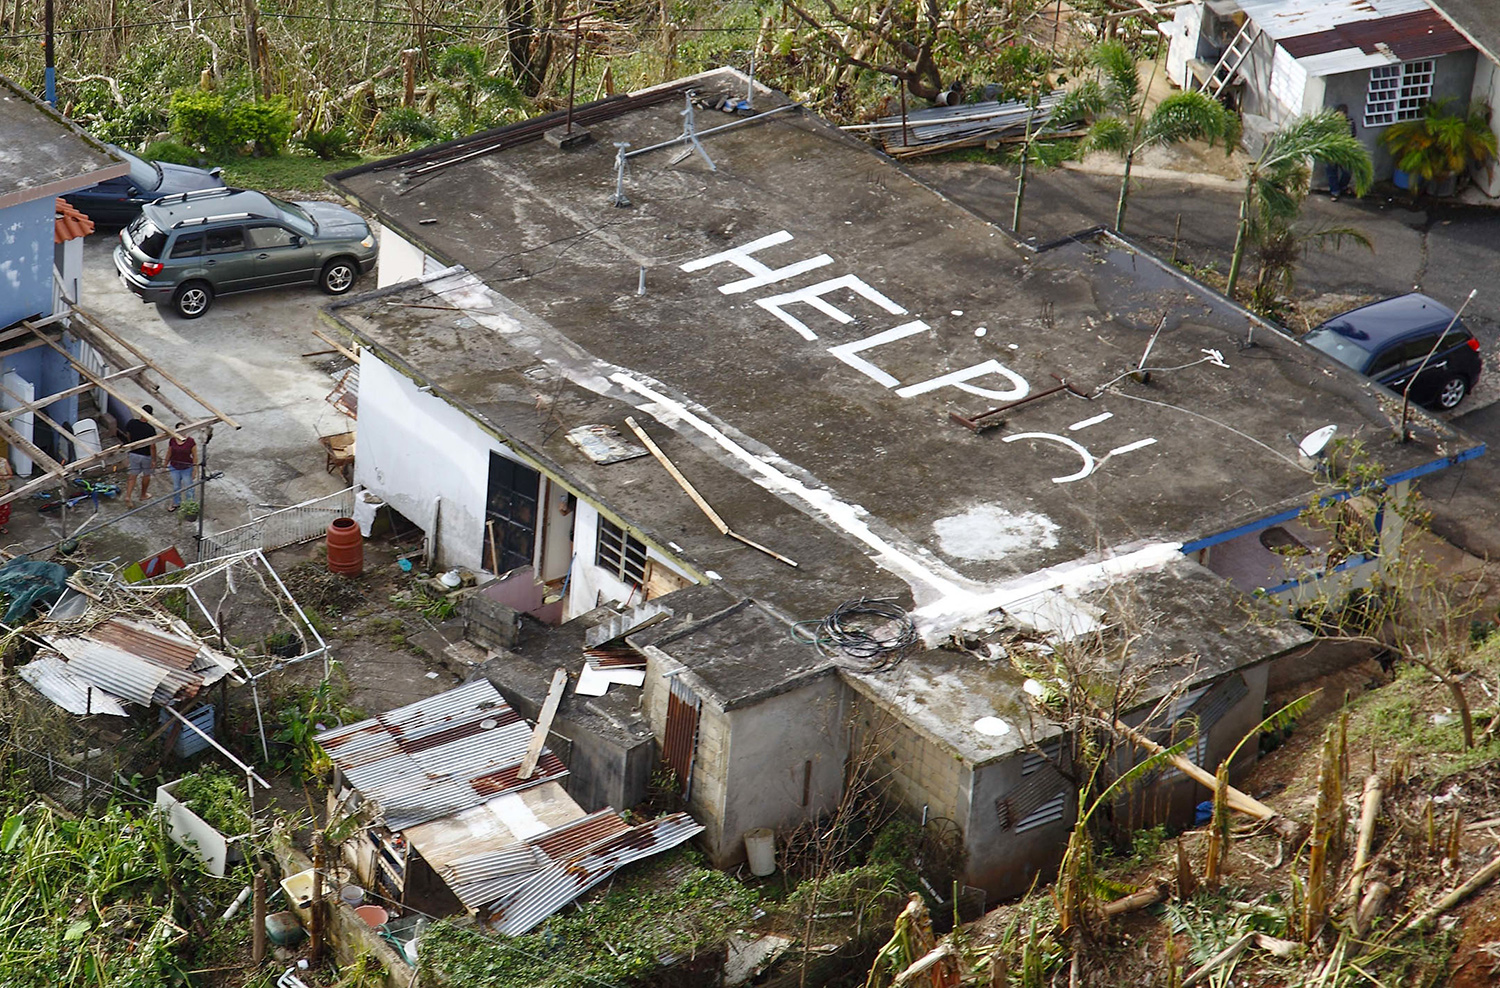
(118, 201)
(1388, 341)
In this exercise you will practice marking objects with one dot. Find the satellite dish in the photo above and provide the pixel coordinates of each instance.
(1313, 444)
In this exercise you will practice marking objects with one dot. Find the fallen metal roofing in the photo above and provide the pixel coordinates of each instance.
(457, 755)
(50, 676)
(132, 662)
(435, 757)
(943, 127)
(566, 878)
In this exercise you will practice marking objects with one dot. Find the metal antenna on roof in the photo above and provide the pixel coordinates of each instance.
(690, 135)
(619, 198)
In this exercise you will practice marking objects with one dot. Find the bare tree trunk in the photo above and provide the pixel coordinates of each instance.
(252, 47)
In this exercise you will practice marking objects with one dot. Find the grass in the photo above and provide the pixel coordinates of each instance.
(286, 173)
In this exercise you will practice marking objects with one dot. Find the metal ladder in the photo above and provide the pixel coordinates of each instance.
(1234, 56)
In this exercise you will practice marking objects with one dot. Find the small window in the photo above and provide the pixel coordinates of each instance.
(188, 245)
(231, 238)
(1398, 92)
(620, 553)
(1415, 351)
(265, 237)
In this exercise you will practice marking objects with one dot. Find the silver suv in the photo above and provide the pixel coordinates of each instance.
(184, 250)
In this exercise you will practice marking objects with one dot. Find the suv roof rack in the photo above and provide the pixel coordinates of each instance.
(197, 194)
(218, 218)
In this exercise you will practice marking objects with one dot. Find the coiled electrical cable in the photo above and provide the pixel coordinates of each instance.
(869, 634)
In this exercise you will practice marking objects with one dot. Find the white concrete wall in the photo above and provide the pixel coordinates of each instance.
(1288, 87)
(1487, 91)
(1182, 47)
(400, 259)
(589, 584)
(415, 448)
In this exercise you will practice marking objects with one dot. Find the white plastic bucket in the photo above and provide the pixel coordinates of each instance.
(353, 896)
(760, 848)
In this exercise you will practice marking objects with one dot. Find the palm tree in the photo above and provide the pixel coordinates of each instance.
(1276, 181)
(1121, 124)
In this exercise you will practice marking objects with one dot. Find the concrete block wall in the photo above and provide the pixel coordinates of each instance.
(488, 622)
(920, 772)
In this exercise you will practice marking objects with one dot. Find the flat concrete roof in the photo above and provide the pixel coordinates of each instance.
(811, 405)
(43, 154)
(1184, 626)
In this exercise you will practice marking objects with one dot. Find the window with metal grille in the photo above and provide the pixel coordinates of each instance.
(621, 553)
(1196, 754)
(1398, 92)
(510, 514)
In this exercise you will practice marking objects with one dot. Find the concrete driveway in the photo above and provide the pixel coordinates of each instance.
(245, 357)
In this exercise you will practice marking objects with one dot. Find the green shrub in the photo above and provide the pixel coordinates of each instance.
(171, 151)
(265, 124)
(407, 124)
(221, 125)
(330, 145)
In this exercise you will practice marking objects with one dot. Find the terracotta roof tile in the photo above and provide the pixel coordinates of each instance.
(71, 224)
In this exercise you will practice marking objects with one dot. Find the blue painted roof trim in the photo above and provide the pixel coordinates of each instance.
(1423, 470)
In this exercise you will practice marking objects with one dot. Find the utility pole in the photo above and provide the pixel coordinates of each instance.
(202, 490)
(49, 84)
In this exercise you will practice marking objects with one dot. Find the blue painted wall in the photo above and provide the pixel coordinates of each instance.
(26, 260)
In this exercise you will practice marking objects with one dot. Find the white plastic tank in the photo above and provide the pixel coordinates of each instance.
(87, 431)
(760, 848)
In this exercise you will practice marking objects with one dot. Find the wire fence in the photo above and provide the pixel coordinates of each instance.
(289, 526)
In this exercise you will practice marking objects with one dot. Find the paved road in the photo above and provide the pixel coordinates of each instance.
(1444, 251)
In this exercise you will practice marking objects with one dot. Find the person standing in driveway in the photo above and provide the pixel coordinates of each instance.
(142, 459)
(182, 458)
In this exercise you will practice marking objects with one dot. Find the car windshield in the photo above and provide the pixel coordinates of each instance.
(1339, 347)
(144, 175)
(297, 217)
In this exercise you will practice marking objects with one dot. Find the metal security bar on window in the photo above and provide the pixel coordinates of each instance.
(1398, 92)
(1044, 757)
(1219, 701)
(620, 553)
(1049, 812)
(1196, 754)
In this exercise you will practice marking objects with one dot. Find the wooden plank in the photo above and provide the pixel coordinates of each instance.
(34, 407)
(543, 723)
(682, 481)
(31, 449)
(135, 409)
(155, 367)
(336, 345)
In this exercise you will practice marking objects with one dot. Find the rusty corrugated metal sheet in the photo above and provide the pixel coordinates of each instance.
(680, 736)
(431, 759)
(146, 642)
(1419, 34)
(564, 880)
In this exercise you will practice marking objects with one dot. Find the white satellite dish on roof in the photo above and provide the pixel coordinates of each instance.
(1313, 444)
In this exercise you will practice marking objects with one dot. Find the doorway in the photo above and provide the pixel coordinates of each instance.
(510, 515)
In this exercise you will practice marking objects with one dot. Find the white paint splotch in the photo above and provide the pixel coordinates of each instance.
(989, 532)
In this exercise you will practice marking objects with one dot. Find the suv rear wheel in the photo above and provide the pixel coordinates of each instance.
(338, 276)
(1452, 392)
(192, 299)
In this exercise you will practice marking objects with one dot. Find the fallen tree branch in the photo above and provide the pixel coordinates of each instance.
(1153, 893)
(1218, 960)
(1481, 878)
(925, 963)
(1238, 801)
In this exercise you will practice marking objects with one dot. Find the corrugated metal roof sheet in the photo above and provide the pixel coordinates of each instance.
(432, 758)
(565, 880)
(115, 670)
(1419, 34)
(49, 674)
(139, 663)
(147, 642)
(1281, 19)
